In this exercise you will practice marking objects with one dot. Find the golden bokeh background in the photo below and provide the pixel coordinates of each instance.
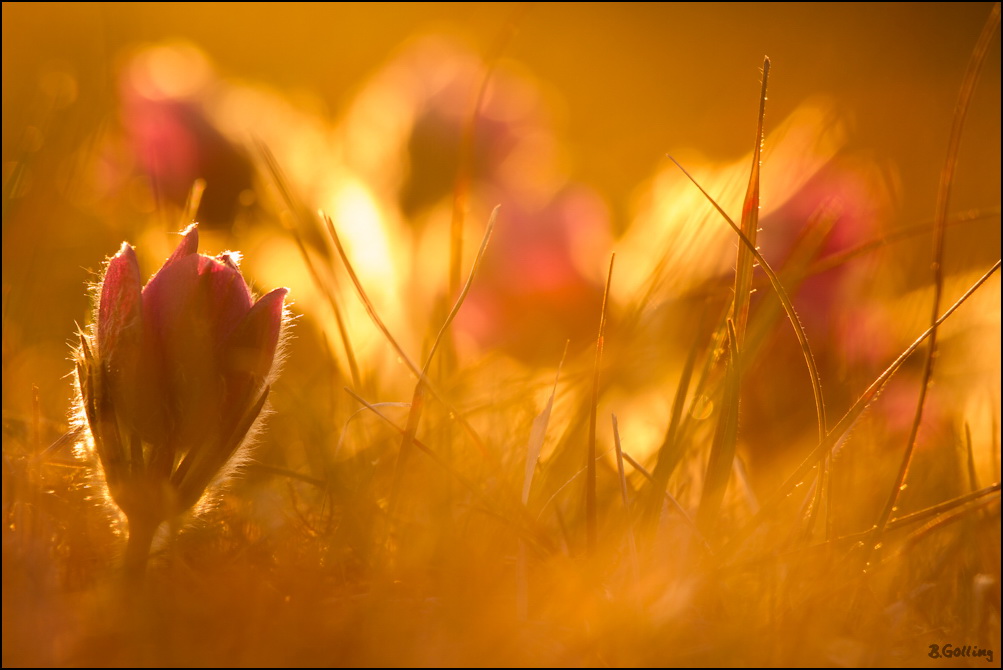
(111, 111)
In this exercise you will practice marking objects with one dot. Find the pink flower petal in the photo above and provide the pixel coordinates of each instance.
(192, 307)
(225, 292)
(251, 348)
(197, 297)
(188, 246)
(133, 382)
(119, 314)
(180, 345)
(167, 297)
(179, 374)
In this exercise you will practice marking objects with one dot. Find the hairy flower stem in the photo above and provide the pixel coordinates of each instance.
(137, 552)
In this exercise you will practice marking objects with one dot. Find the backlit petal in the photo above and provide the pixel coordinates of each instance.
(188, 246)
(119, 314)
(252, 346)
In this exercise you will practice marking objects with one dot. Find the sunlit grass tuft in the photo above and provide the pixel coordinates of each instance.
(428, 496)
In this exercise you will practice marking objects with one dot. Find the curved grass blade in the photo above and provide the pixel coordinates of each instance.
(785, 300)
(850, 418)
(295, 215)
(378, 322)
(975, 64)
(418, 399)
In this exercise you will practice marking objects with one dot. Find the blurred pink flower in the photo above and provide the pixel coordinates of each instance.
(531, 294)
(534, 290)
(174, 377)
(172, 138)
(836, 210)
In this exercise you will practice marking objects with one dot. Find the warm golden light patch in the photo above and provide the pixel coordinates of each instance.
(170, 71)
(442, 482)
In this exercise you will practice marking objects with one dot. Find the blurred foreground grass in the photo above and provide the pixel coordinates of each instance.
(491, 542)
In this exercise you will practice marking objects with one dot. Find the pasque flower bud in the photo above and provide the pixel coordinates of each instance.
(173, 378)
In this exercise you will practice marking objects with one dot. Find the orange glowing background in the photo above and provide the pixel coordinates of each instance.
(407, 124)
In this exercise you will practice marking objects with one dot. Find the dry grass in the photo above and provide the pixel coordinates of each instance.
(477, 509)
